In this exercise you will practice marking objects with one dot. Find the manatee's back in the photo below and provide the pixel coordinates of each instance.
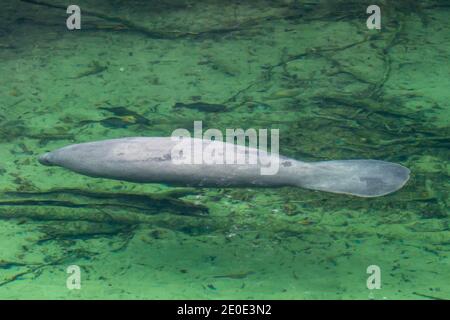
(156, 159)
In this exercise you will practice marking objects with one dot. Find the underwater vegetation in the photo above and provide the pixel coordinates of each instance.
(144, 68)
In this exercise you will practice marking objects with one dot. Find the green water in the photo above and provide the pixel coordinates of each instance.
(311, 69)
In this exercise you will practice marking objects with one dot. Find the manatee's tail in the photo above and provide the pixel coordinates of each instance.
(363, 178)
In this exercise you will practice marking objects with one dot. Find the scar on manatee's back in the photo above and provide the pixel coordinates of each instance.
(163, 158)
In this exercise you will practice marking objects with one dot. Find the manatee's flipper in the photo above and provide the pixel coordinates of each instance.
(363, 178)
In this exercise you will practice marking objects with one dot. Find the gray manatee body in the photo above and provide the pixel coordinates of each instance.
(151, 160)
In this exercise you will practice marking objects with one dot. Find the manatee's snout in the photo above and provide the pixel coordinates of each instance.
(45, 159)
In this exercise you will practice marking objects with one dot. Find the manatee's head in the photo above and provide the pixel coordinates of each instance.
(46, 159)
(86, 158)
(70, 157)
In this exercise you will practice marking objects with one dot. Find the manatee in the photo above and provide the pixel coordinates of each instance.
(153, 160)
